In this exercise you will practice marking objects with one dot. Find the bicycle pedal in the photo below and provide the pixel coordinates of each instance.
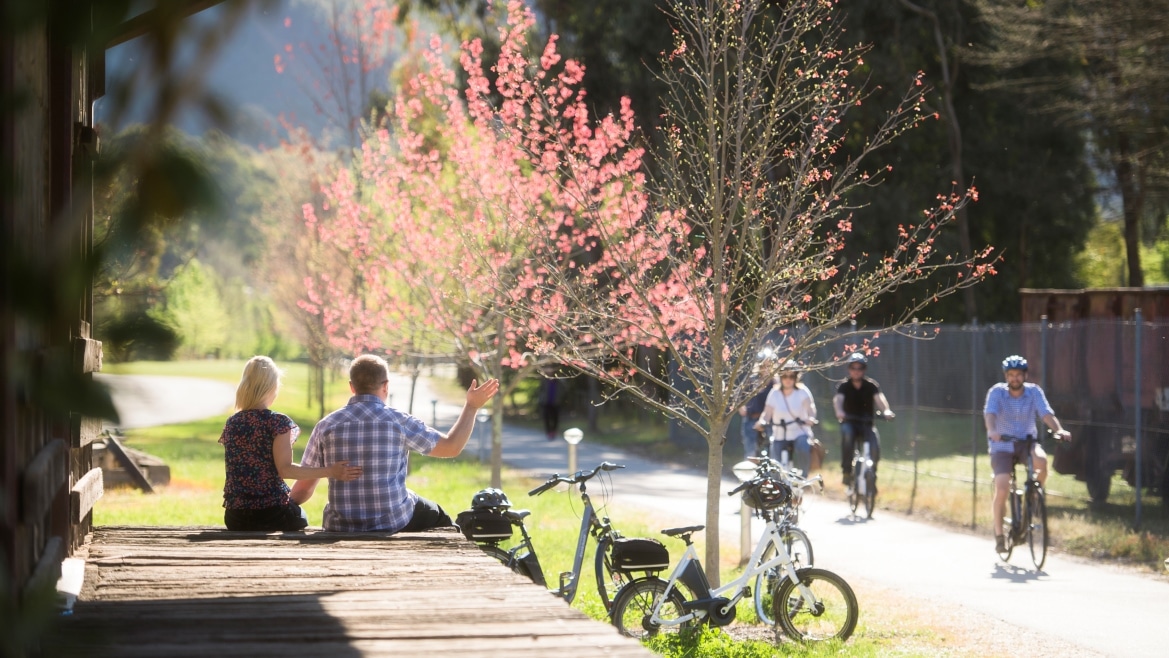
(565, 578)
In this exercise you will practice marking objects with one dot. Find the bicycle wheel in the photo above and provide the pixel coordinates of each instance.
(870, 492)
(609, 581)
(830, 615)
(1037, 536)
(853, 496)
(799, 548)
(518, 566)
(634, 606)
(1010, 522)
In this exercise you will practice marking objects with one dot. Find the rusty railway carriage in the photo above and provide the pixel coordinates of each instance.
(1086, 356)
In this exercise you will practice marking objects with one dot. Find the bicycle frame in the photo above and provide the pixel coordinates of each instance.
(587, 522)
(862, 461)
(690, 573)
(1030, 482)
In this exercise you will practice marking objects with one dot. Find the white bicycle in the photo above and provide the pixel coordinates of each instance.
(808, 604)
(795, 540)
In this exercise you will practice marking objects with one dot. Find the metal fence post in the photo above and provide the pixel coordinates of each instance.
(1043, 352)
(974, 418)
(1137, 403)
(913, 424)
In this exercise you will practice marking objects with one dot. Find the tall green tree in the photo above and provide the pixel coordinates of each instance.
(1102, 67)
(1035, 185)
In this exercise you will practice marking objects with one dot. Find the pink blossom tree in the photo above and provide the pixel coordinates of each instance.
(445, 207)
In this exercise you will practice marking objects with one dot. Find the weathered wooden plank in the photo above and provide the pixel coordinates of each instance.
(534, 646)
(84, 430)
(87, 355)
(43, 478)
(85, 493)
(316, 593)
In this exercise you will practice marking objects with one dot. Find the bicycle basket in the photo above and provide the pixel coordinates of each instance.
(490, 498)
(640, 554)
(484, 525)
(769, 493)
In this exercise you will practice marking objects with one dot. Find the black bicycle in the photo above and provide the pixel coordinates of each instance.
(864, 475)
(1026, 519)
(617, 559)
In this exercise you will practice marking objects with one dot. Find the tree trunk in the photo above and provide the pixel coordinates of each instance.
(497, 441)
(1131, 202)
(714, 479)
(954, 135)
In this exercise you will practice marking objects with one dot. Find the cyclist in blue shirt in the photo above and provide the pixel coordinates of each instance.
(1009, 413)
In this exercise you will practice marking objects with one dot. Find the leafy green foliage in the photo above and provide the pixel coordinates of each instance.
(194, 311)
(192, 282)
(1102, 262)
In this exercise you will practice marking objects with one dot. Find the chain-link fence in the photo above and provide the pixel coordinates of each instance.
(1108, 381)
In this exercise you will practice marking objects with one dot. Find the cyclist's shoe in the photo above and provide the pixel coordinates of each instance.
(848, 491)
(1000, 545)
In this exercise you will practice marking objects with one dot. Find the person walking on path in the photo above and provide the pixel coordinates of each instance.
(257, 446)
(551, 395)
(380, 438)
(1010, 411)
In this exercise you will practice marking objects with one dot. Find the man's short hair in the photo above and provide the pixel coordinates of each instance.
(367, 374)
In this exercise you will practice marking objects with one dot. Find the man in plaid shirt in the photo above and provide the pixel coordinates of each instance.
(368, 433)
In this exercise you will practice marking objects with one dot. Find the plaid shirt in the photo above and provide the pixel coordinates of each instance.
(369, 434)
(1015, 416)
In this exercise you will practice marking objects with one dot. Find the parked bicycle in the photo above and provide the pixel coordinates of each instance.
(795, 540)
(617, 559)
(1026, 519)
(864, 475)
(808, 604)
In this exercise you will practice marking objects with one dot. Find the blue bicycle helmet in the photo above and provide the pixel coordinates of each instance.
(1014, 362)
(857, 357)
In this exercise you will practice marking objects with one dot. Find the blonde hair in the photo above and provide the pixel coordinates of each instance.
(367, 374)
(260, 379)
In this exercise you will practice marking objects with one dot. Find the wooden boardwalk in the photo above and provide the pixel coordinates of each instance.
(209, 592)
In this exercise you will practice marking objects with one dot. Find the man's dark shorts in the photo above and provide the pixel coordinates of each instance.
(269, 519)
(1003, 462)
(427, 514)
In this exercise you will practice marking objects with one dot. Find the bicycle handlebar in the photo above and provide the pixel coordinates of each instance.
(742, 486)
(878, 415)
(577, 478)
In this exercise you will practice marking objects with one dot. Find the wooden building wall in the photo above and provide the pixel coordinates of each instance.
(47, 487)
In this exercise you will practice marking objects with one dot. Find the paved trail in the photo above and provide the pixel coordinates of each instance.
(1072, 607)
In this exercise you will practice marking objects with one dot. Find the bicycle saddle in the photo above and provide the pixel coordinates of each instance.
(674, 532)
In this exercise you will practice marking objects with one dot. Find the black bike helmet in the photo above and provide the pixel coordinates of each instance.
(490, 499)
(857, 357)
(769, 493)
(1014, 362)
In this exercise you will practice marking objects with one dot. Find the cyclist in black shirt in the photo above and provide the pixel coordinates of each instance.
(856, 401)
